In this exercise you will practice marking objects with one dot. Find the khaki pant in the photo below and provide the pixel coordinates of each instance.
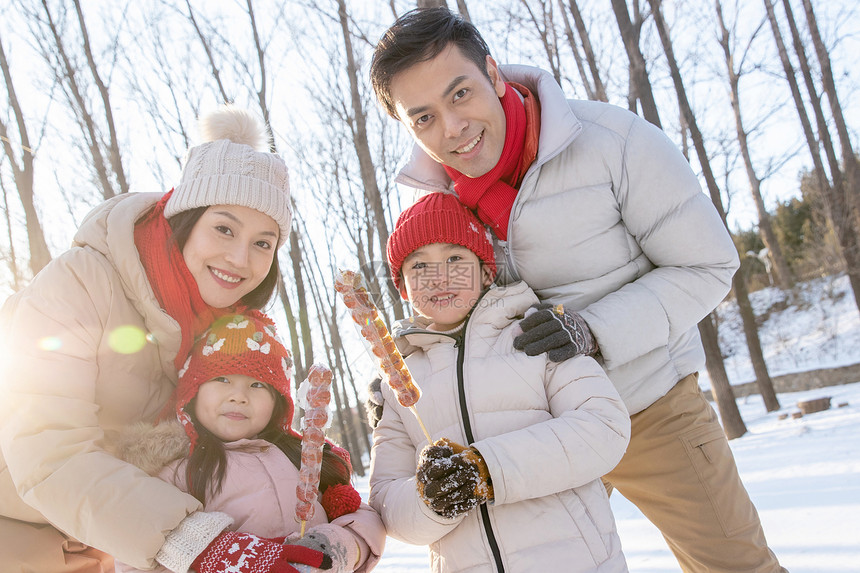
(680, 472)
(35, 548)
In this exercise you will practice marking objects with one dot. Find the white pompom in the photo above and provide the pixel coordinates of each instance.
(236, 124)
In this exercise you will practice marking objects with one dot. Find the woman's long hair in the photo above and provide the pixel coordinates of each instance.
(207, 465)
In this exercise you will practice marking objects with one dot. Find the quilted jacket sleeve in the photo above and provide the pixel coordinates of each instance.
(393, 491)
(681, 233)
(585, 438)
(50, 435)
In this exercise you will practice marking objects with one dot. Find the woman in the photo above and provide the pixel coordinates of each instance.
(93, 344)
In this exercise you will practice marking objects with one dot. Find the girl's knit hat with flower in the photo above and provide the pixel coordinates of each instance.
(233, 166)
(236, 344)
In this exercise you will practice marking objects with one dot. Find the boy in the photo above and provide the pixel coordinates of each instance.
(524, 493)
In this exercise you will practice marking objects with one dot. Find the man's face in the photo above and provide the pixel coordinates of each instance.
(453, 111)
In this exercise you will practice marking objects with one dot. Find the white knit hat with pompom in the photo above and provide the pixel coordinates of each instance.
(234, 167)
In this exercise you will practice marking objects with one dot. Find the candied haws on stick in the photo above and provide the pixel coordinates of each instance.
(356, 298)
(316, 401)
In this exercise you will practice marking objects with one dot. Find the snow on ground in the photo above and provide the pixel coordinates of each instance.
(803, 474)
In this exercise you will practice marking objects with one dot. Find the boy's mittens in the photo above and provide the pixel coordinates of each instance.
(452, 479)
(561, 333)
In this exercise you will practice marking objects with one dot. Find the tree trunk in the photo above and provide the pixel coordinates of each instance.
(213, 67)
(362, 148)
(698, 143)
(296, 349)
(17, 279)
(762, 376)
(833, 195)
(23, 173)
(638, 70)
(546, 33)
(849, 159)
(68, 76)
(599, 88)
(464, 10)
(784, 276)
(339, 367)
(296, 256)
(730, 416)
(113, 144)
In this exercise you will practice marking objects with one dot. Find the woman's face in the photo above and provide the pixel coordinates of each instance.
(235, 406)
(229, 252)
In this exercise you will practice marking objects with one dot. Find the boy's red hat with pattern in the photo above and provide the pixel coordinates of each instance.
(236, 344)
(438, 218)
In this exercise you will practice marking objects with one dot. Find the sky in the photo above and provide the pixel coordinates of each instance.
(803, 474)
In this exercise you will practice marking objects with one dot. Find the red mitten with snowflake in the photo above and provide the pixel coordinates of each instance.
(244, 553)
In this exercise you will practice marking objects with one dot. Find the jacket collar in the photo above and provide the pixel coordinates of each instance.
(109, 230)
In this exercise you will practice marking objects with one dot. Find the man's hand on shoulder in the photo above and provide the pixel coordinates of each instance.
(558, 332)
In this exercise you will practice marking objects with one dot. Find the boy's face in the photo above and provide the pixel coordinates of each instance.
(235, 406)
(443, 282)
(453, 111)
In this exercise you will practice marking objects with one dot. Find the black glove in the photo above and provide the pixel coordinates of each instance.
(561, 333)
(452, 479)
(373, 406)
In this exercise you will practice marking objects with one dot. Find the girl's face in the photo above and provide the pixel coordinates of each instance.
(229, 252)
(443, 281)
(235, 406)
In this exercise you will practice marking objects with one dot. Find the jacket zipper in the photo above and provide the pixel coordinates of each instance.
(467, 428)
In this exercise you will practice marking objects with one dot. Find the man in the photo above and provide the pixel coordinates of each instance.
(601, 215)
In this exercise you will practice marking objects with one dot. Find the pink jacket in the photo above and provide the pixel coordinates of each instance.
(259, 493)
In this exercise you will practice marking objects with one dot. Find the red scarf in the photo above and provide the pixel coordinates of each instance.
(492, 194)
(171, 281)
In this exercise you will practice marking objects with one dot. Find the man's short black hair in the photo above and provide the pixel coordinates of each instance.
(418, 36)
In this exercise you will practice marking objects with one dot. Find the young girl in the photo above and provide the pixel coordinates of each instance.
(523, 492)
(233, 402)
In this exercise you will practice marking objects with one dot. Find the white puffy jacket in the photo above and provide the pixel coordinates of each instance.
(547, 431)
(611, 221)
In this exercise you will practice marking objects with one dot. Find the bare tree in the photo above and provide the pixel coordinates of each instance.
(721, 389)
(17, 279)
(113, 143)
(765, 385)
(784, 275)
(545, 28)
(849, 159)
(358, 127)
(594, 87)
(21, 164)
(833, 193)
(67, 74)
(640, 84)
(207, 48)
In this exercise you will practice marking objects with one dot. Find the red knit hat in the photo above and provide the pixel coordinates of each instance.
(438, 218)
(236, 344)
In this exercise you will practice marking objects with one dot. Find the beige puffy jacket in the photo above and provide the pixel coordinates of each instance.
(547, 431)
(611, 221)
(88, 350)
